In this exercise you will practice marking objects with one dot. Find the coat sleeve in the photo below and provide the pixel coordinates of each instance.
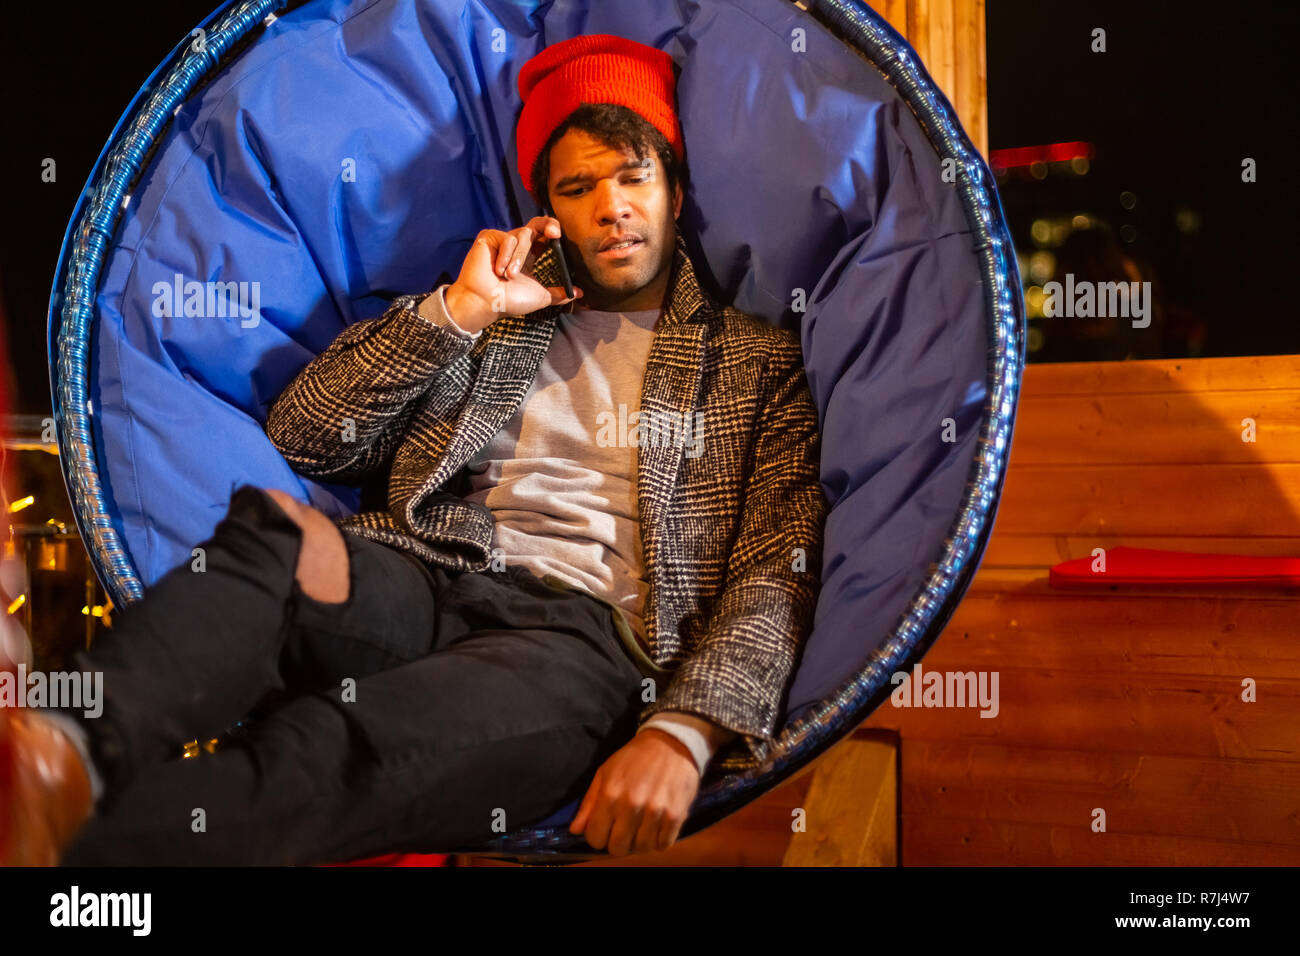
(340, 419)
(738, 674)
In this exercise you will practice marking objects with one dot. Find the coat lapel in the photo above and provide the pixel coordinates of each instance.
(510, 352)
(669, 395)
(506, 359)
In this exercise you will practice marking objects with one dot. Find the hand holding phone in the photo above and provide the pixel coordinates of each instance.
(496, 279)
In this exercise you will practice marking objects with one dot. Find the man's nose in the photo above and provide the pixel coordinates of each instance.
(611, 203)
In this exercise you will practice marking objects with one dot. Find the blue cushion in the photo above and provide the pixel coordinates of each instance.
(355, 149)
(562, 816)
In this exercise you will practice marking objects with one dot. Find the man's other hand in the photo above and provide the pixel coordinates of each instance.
(640, 796)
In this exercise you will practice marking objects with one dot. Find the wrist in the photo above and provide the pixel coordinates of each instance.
(675, 743)
(461, 308)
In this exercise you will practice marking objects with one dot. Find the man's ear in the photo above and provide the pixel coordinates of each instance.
(678, 196)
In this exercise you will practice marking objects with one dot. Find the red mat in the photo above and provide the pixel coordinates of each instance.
(1154, 567)
(400, 859)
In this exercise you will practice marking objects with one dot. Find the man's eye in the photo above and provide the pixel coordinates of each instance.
(582, 189)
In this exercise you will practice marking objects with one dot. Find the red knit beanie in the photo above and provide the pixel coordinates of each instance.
(597, 68)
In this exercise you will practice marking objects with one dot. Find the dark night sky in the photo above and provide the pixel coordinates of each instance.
(1176, 102)
(1173, 106)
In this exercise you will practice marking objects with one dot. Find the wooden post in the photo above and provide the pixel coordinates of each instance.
(948, 36)
(851, 810)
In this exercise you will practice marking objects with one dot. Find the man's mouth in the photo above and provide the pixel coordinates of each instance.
(620, 248)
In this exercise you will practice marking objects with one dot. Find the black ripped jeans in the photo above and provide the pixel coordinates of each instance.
(409, 718)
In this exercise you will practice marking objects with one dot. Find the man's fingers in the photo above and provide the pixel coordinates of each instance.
(579, 821)
(546, 227)
(626, 823)
(589, 803)
(513, 251)
(669, 828)
(647, 836)
(558, 295)
(544, 230)
(523, 250)
(596, 831)
(504, 251)
(492, 240)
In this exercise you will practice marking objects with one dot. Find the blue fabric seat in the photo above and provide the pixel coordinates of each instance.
(333, 154)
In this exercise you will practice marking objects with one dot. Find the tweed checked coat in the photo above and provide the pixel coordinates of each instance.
(731, 536)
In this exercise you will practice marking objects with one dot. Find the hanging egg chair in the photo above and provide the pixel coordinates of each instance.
(341, 153)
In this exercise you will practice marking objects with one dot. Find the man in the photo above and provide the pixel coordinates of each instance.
(554, 603)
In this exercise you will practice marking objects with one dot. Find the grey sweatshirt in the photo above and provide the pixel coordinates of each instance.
(560, 476)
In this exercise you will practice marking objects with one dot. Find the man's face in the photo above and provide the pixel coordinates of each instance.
(601, 195)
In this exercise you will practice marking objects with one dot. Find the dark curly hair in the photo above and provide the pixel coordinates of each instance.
(618, 127)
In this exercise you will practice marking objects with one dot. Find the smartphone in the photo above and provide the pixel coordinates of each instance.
(559, 256)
